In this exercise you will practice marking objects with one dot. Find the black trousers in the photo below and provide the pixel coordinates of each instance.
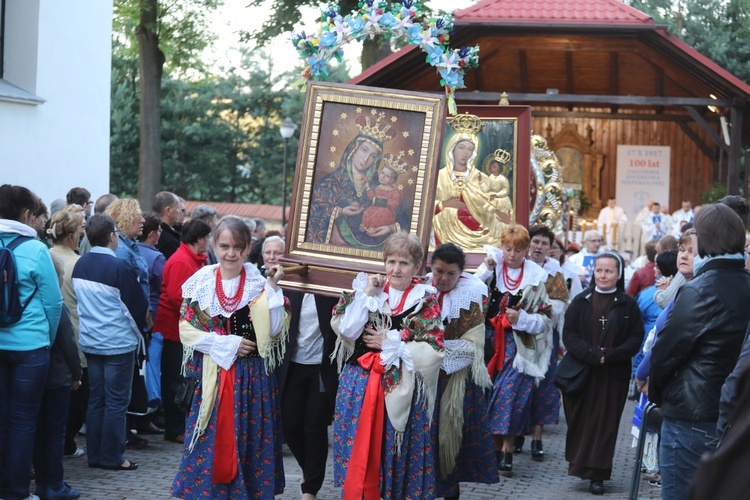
(304, 418)
(171, 362)
(79, 401)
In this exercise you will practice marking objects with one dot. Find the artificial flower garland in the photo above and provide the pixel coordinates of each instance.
(402, 21)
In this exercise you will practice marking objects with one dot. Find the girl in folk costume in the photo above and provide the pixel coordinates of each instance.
(519, 314)
(233, 327)
(465, 444)
(389, 349)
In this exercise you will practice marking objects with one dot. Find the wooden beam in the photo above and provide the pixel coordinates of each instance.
(719, 141)
(706, 150)
(589, 99)
(735, 149)
(613, 116)
(659, 90)
(524, 72)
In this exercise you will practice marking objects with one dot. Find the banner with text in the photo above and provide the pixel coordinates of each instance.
(642, 175)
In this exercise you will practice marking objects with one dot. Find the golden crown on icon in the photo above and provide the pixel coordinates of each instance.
(466, 124)
(394, 163)
(376, 126)
(502, 156)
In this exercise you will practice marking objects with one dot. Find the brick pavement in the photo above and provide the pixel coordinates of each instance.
(531, 480)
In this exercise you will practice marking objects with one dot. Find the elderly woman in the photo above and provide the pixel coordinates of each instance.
(699, 345)
(389, 349)
(65, 230)
(233, 327)
(127, 215)
(25, 343)
(189, 257)
(520, 318)
(603, 329)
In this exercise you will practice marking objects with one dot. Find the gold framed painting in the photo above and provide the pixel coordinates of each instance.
(366, 168)
(483, 182)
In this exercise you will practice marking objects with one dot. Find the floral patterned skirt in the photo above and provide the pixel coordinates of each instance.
(476, 461)
(408, 475)
(509, 406)
(545, 399)
(257, 427)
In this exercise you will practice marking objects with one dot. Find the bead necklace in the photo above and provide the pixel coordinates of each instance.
(395, 311)
(229, 304)
(510, 283)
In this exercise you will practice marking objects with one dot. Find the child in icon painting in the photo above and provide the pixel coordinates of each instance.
(385, 197)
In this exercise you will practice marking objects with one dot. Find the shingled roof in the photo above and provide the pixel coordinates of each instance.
(559, 12)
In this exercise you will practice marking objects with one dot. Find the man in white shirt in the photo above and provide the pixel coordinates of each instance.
(307, 378)
(644, 213)
(683, 215)
(654, 225)
(610, 217)
(584, 260)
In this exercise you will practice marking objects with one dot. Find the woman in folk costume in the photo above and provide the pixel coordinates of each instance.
(519, 313)
(464, 436)
(233, 326)
(389, 349)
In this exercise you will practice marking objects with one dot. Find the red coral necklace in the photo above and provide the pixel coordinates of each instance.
(395, 311)
(510, 283)
(229, 304)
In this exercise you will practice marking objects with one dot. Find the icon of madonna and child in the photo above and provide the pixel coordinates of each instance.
(473, 206)
(371, 191)
(369, 194)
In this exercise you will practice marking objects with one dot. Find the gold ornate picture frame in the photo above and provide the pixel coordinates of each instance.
(366, 168)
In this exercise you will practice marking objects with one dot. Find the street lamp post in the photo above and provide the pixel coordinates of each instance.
(286, 129)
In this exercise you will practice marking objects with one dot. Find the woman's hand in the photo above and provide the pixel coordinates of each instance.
(375, 284)
(352, 209)
(642, 386)
(379, 231)
(662, 283)
(512, 315)
(275, 276)
(246, 347)
(489, 263)
(372, 338)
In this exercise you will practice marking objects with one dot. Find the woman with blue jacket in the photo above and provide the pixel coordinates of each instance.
(24, 345)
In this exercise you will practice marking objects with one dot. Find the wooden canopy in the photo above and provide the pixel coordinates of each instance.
(604, 67)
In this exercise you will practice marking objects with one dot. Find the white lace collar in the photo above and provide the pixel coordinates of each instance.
(416, 294)
(533, 274)
(201, 288)
(468, 290)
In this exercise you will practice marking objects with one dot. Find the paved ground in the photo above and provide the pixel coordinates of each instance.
(531, 480)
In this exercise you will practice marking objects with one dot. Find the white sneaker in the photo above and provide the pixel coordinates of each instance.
(76, 454)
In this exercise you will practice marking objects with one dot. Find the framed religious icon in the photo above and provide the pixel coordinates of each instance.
(366, 168)
(484, 177)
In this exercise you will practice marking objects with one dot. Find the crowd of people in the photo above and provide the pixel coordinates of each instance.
(428, 381)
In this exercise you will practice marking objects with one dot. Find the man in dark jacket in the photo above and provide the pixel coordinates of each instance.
(307, 383)
(698, 347)
(167, 206)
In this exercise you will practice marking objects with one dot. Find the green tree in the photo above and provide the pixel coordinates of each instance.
(164, 32)
(718, 29)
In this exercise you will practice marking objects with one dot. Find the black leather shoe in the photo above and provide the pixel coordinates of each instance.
(518, 444)
(596, 488)
(505, 462)
(537, 452)
(131, 466)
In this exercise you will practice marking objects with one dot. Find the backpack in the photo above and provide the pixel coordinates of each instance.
(11, 309)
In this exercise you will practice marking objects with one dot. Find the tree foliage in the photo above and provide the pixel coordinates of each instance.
(718, 29)
(220, 135)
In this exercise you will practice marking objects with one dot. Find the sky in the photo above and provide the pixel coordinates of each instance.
(234, 16)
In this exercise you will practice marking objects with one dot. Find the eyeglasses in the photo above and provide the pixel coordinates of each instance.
(595, 241)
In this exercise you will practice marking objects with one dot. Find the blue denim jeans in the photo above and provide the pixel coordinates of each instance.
(683, 443)
(22, 378)
(50, 438)
(110, 381)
